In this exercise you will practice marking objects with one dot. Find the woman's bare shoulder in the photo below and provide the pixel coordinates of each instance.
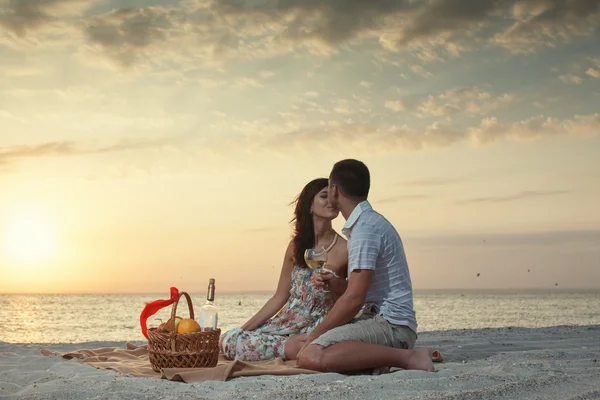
(338, 255)
(341, 245)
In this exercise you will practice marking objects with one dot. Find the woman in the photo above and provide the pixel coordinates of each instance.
(300, 306)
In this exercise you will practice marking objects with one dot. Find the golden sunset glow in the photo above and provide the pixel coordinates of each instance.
(151, 144)
(31, 237)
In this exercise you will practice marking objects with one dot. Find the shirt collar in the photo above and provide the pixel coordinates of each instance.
(358, 210)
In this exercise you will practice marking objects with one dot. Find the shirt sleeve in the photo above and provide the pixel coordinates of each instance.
(363, 250)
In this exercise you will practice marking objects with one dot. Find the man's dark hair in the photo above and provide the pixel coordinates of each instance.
(352, 178)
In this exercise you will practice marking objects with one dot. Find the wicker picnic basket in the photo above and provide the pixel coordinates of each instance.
(188, 350)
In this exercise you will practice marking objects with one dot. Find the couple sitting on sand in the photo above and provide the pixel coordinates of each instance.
(312, 317)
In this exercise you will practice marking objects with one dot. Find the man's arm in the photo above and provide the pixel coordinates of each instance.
(363, 252)
(348, 305)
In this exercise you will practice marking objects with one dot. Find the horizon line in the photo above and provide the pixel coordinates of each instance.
(507, 289)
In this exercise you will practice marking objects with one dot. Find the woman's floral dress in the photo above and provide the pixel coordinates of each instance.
(305, 309)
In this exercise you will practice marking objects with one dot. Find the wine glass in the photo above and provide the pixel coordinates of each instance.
(316, 260)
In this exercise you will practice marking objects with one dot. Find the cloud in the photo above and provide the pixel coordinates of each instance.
(191, 34)
(405, 197)
(293, 133)
(463, 99)
(312, 94)
(471, 100)
(30, 151)
(342, 106)
(322, 24)
(210, 31)
(349, 135)
(266, 74)
(429, 182)
(125, 33)
(448, 24)
(544, 23)
(428, 27)
(395, 105)
(206, 82)
(421, 71)
(528, 194)
(246, 82)
(429, 55)
(70, 148)
(570, 78)
(517, 239)
(594, 71)
(445, 18)
(490, 130)
(20, 71)
(582, 70)
(23, 16)
(4, 114)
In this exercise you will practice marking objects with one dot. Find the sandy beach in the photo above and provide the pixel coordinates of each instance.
(561, 362)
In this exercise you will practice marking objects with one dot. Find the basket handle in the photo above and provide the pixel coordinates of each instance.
(174, 309)
(173, 332)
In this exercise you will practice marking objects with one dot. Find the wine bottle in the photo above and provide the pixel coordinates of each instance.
(208, 316)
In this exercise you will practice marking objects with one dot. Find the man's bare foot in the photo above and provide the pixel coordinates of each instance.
(436, 356)
(420, 359)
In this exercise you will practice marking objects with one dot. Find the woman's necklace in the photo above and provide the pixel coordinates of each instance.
(327, 244)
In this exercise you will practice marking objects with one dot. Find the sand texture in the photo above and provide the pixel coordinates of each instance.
(560, 362)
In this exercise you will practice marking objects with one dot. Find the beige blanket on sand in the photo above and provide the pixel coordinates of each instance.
(134, 360)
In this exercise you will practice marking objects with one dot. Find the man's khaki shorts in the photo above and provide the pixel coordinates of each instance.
(370, 328)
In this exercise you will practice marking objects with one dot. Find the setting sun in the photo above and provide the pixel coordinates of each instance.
(30, 236)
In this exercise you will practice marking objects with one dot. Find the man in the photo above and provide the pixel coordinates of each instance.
(378, 284)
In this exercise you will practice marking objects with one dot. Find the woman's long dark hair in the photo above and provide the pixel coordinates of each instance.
(304, 231)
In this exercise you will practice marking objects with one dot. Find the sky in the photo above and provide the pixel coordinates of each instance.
(156, 143)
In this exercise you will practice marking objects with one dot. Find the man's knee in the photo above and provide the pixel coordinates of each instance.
(312, 358)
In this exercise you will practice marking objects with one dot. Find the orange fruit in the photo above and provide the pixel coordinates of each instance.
(188, 325)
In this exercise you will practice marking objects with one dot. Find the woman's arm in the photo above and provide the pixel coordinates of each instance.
(278, 300)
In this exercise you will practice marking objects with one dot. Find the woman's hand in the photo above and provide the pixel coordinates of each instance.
(319, 280)
(330, 282)
(249, 326)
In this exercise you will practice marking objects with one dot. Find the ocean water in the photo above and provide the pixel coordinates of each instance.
(74, 318)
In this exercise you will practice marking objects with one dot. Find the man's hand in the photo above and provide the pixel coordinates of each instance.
(308, 342)
(304, 346)
(330, 282)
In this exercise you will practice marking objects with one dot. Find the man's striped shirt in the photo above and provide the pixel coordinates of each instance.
(374, 243)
